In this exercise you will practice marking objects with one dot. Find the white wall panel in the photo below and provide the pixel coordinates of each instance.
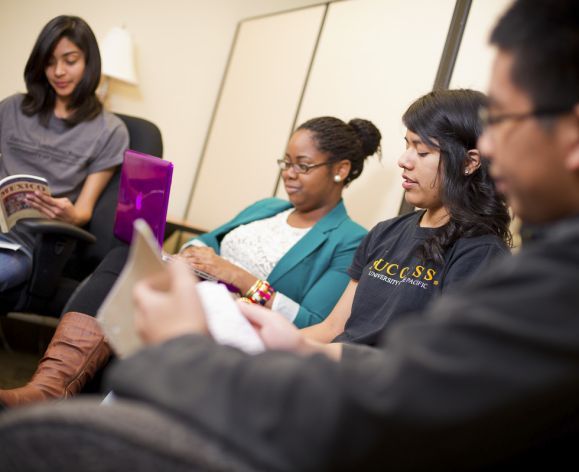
(473, 63)
(374, 58)
(255, 115)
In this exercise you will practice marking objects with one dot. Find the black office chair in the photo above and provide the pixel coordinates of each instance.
(144, 137)
(64, 254)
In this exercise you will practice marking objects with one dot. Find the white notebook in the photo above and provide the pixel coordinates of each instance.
(226, 323)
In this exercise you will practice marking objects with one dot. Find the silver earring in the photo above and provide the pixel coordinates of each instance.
(466, 172)
(337, 178)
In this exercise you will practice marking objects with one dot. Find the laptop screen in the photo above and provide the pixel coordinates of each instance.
(144, 190)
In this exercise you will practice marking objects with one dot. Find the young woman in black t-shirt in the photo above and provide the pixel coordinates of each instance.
(403, 263)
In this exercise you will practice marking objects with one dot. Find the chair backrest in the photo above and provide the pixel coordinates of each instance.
(82, 434)
(144, 136)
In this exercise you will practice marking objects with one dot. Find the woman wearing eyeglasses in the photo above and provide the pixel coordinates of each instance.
(293, 256)
(290, 256)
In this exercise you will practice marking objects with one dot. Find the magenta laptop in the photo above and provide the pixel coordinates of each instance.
(143, 193)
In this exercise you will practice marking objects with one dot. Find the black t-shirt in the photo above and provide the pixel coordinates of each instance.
(394, 281)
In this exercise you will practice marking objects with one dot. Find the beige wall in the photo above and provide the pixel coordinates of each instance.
(473, 63)
(181, 47)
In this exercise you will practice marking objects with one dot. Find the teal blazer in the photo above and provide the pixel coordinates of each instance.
(313, 272)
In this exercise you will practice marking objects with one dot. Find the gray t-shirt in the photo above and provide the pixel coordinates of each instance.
(63, 155)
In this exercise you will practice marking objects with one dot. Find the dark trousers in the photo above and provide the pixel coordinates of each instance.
(89, 296)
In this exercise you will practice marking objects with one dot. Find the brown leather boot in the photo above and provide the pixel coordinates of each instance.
(75, 353)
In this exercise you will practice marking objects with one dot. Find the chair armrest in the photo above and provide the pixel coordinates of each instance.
(175, 224)
(54, 243)
(46, 226)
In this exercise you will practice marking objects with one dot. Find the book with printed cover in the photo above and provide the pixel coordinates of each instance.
(13, 204)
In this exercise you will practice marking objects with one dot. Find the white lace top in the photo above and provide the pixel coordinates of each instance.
(258, 246)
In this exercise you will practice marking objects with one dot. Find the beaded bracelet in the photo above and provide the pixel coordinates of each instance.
(260, 292)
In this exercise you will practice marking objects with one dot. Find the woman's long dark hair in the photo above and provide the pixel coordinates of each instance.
(448, 121)
(41, 97)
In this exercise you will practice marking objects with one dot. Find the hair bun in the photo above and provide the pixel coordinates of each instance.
(353, 141)
(368, 134)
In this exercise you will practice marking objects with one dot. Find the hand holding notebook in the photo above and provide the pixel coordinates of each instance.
(225, 322)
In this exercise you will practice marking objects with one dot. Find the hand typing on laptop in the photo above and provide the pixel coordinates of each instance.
(199, 273)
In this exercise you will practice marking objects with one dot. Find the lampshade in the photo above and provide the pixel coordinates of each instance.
(117, 56)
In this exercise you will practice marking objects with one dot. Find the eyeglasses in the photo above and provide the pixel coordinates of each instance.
(487, 119)
(299, 168)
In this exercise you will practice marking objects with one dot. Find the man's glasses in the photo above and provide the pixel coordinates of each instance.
(299, 168)
(488, 119)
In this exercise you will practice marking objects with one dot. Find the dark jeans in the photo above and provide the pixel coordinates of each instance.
(90, 295)
(15, 266)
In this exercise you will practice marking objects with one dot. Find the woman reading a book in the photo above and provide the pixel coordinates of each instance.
(57, 130)
(291, 256)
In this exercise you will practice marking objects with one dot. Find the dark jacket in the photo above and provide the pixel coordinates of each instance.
(488, 376)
